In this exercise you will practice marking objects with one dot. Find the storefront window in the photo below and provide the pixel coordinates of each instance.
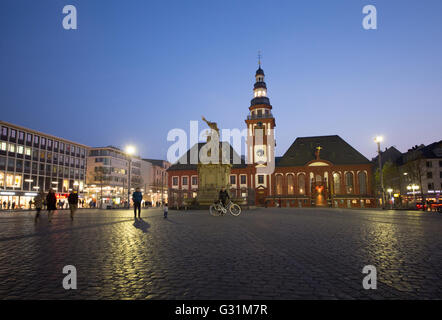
(17, 181)
(9, 180)
(2, 179)
(65, 185)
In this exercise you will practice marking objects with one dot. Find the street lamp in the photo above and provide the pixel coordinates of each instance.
(378, 140)
(130, 150)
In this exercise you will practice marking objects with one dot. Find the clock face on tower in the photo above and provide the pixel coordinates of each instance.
(260, 153)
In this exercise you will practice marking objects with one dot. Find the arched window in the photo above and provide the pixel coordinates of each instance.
(349, 182)
(290, 184)
(278, 184)
(337, 183)
(362, 177)
(301, 183)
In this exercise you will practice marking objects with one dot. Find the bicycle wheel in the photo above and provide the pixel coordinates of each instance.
(235, 209)
(214, 211)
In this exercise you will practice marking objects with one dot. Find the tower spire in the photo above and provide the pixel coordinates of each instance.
(259, 58)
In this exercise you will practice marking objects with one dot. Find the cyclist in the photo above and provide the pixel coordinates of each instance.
(223, 196)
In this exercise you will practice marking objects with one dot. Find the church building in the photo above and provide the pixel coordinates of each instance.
(321, 171)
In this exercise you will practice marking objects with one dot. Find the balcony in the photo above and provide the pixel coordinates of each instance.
(260, 116)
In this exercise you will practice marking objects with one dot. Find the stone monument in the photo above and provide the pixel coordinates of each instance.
(213, 172)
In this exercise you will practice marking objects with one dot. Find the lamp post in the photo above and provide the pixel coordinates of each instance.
(130, 150)
(378, 140)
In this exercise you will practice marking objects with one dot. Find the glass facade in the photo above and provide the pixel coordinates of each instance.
(31, 161)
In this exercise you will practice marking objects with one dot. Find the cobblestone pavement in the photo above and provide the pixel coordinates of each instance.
(262, 254)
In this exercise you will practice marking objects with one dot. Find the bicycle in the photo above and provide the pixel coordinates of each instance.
(218, 209)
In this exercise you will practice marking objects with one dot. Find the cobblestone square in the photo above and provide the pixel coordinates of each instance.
(262, 254)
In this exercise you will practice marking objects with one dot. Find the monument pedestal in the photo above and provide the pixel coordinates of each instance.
(212, 177)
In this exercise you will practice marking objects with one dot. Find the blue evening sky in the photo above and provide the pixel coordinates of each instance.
(135, 69)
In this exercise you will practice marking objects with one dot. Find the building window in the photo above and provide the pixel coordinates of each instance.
(440, 163)
(431, 186)
(194, 181)
(20, 149)
(13, 133)
(28, 137)
(429, 175)
(232, 180)
(174, 181)
(440, 174)
(362, 177)
(429, 164)
(184, 181)
(336, 183)
(11, 147)
(290, 184)
(4, 131)
(301, 183)
(21, 135)
(3, 146)
(349, 182)
(279, 184)
(243, 179)
(43, 142)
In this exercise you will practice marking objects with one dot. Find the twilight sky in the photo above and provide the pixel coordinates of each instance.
(133, 70)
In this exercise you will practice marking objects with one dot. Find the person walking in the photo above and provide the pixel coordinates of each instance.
(30, 204)
(13, 205)
(38, 202)
(137, 197)
(51, 203)
(166, 210)
(73, 203)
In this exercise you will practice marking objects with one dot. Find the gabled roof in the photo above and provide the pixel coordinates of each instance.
(334, 149)
(431, 151)
(184, 163)
(391, 154)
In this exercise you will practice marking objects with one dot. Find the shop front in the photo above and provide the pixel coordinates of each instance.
(16, 200)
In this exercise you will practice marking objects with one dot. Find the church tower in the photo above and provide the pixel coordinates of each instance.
(260, 132)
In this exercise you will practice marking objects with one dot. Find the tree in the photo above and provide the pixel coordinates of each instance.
(414, 167)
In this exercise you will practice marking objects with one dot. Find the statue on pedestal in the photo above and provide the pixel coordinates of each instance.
(212, 175)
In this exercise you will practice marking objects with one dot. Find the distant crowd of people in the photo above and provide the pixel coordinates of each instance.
(49, 202)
